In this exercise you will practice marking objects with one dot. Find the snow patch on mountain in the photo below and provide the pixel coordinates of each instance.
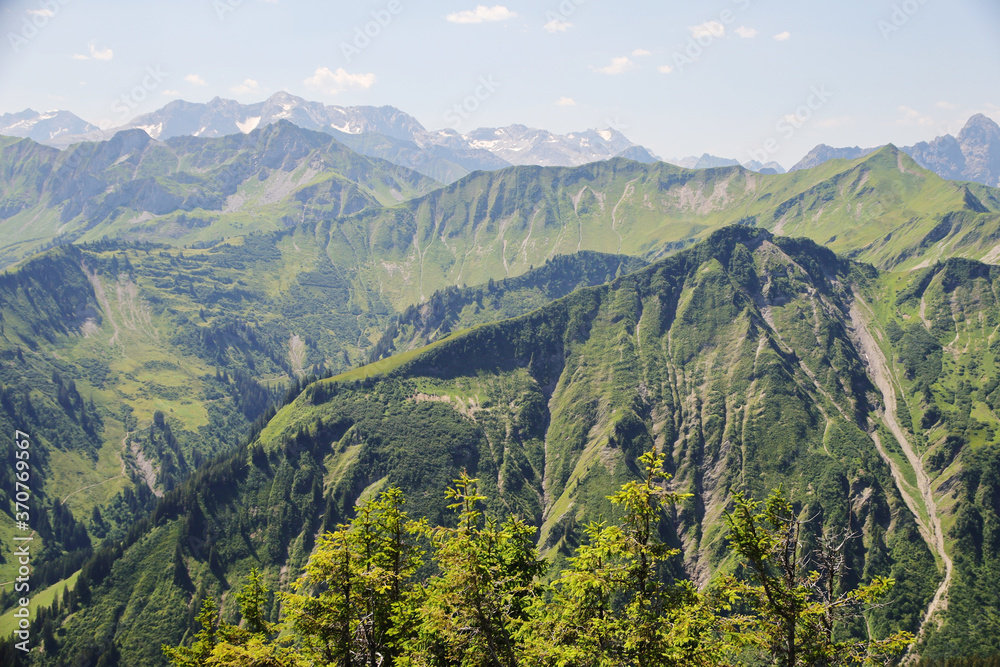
(153, 130)
(248, 125)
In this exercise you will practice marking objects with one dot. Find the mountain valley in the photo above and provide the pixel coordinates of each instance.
(220, 345)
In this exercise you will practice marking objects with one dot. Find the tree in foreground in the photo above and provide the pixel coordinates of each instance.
(254, 644)
(359, 602)
(469, 613)
(344, 609)
(615, 605)
(794, 597)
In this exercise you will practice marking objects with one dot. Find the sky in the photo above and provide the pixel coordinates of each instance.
(745, 79)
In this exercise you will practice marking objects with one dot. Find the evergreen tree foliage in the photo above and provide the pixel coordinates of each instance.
(368, 598)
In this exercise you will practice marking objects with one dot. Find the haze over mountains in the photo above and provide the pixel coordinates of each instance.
(376, 131)
(49, 127)
(447, 155)
(974, 155)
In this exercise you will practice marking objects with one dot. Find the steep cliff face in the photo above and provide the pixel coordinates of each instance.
(737, 358)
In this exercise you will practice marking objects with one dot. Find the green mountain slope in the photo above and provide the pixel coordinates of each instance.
(453, 308)
(131, 365)
(937, 329)
(883, 209)
(738, 358)
(187, 189)
(752, 359)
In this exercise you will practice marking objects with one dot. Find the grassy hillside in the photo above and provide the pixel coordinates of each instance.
(939, 333)
(132, 365)
(186, 189)
(454, 308)
(737, 358)
(882, 209)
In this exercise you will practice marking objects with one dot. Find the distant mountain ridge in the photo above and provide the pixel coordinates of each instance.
(194, 190)
(974, 155)
(824, 153)
(447, 155)
(521, 145)
(187, 186)
(384, 132)
(48, 127)
(707, 161)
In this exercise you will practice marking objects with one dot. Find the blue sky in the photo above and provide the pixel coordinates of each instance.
(681, 78)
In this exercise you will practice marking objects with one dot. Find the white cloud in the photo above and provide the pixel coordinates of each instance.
(639, 53)
(196, 80)
(171, 93)
(566, 102)
(80, 56)
(555, 25)
(100, 54)
(618, 65)
(746, 33)
(331, 83)
(913, 117)
(709, 29)
(481, 14)
(249, 86)
(47, 13)
(945, 105)
(839, 121)
(665, 69)
(783, 36)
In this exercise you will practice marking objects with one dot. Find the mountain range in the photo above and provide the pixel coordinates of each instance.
(446, 155)
(220, 345)
(196, 191)
(182, 188)
(707, 161)
(384, 132)
(974, 155)
(49, 128)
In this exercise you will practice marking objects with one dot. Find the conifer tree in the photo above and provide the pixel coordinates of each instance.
(346, 606)
(468, 615)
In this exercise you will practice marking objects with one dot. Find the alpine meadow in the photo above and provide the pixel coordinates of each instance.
(289, 378)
